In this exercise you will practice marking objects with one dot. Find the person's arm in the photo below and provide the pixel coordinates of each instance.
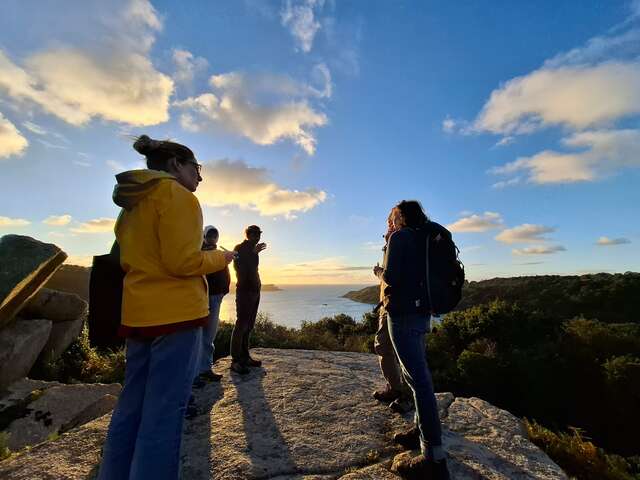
(392, 273)
(180, 235)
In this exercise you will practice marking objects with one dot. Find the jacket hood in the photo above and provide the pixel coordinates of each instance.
(134, 185)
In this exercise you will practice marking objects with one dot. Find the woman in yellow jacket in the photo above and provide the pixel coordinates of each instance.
(164, 306)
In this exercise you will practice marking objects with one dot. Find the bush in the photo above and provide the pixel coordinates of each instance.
(81, 363)
(579, 457)
(4, 449)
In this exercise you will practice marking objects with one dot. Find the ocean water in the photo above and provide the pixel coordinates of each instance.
(296, 303)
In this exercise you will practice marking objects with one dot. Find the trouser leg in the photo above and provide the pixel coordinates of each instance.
(387, 355)
(125, 421)
(408, 337)
(172, 367)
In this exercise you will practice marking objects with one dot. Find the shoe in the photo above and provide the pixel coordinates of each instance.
(402, 405)
(239, 368)
(420, 468)
(252, 362)
(210, 376)
(409, 439)
(387, 395)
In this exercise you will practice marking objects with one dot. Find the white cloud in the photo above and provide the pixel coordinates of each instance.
(187, 66)
(263, 108)
(228, 183)
(477, 223)
(300, 18)
(34, 128)
(98, 225)
(541, 250)
(11, 140)
(602, 152)
(57, 220)
(116, 166)
(113, 79)
(79, 260)
(525, 233)
(13, 222)
(606, 241)
(504, 141)
(507, 183)
(448, 125)
(578, 97)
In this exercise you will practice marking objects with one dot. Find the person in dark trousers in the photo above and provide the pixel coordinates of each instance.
(218, 287)
(247, 298)
(408, 317)
(396, 393)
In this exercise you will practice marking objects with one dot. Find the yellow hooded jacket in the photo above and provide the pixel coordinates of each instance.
(159, 231)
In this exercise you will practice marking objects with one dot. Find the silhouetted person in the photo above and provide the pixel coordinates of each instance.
(218, 287)
(247, 298)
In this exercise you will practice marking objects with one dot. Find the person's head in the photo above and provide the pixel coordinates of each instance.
(211, 235)
(253, 232)
(172, 158)
(408, 213)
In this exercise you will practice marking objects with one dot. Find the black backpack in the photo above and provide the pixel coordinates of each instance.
(445, 271)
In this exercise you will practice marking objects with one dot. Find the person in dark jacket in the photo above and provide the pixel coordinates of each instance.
(218, 287)
(408, 319)
(247, 298)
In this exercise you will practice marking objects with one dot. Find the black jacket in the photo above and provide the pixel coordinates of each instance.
(246, 267)
(404, 272)
(218, 281)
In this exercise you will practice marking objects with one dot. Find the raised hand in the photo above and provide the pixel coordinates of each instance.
(259, 247)
(229, 256)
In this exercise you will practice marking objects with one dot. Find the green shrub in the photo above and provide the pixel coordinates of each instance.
(83, 363)
(4, 448)
(578, 456)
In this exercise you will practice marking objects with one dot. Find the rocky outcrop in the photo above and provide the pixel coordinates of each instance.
(25, 265)
(306, 415)
(55, 306)
(48, 320)
(20, 344)
(33, 410)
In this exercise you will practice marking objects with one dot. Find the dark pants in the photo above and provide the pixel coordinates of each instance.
(246, 311)
(407, 334)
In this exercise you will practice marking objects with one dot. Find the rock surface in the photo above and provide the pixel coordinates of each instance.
(61, 336)
(55, 306)
(49, 406)
(307, 415)
(20, 345)
(25, 265)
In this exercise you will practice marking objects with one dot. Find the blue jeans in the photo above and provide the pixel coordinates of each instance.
(146, 426)
(407, 334)
(209, 334)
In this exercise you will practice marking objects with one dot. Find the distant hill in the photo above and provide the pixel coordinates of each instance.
(75, 279)
(72, 279)
(610, 298)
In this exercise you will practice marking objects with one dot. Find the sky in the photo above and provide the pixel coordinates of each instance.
(515, 124)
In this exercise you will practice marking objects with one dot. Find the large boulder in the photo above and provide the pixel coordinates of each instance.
(25, 265)
(306, 415)
(62, 335)
(55, 306)
(51, 408)
(20, 344)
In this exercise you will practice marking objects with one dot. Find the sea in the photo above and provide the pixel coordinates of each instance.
(294, 304)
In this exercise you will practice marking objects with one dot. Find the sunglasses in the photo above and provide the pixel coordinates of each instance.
(196, 164)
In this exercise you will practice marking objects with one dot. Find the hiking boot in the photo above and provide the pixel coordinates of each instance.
(409, 439)
(387, 395)
(402, 405)
(210, 376)
(420, 468)
(252, 362)
(239, 368)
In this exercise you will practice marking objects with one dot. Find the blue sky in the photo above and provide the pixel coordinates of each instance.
(516, 124)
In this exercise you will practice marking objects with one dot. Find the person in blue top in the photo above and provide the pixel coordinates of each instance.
(408, 319)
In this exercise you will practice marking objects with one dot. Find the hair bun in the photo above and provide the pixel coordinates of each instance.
(145, 145)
